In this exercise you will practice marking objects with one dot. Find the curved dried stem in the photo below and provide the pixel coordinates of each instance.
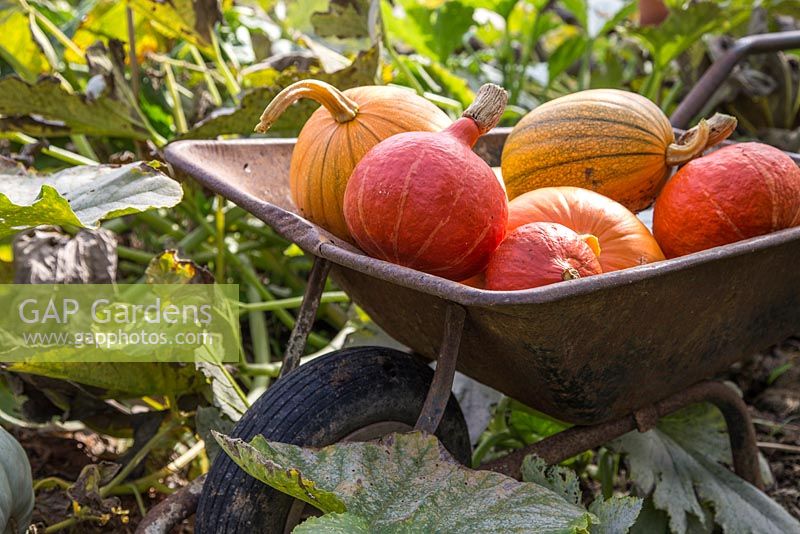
(488, 107)
(720, 127)
(338, 105)
(678, 154)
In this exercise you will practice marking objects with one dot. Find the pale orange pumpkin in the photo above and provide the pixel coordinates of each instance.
(338, 134)
(617, 143)
(624, 240)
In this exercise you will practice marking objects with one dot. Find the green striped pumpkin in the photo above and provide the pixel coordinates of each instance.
(617, 143)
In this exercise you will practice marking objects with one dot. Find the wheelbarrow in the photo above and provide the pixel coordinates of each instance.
(610, 353)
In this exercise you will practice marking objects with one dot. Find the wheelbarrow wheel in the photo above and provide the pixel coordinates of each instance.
(352, 394)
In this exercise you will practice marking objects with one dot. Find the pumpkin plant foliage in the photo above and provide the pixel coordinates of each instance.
(616, 515)
(402, 483)
(680, 464)
(80, 196)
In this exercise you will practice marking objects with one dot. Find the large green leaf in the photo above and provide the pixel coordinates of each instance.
(681, 29)
(18, 47)
(242, 119)
(125, 380)
(192, 20)
(404, 483)
(680, 463)
(45, 108)
(81, 196)
(433, 33)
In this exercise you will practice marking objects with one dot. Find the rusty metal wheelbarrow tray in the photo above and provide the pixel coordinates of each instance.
(585, 351)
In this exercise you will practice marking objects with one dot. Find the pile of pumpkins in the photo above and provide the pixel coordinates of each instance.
(386, 170)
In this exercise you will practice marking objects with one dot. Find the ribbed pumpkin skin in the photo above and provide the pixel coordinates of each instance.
(624, 241)
(327, 151)
(735, 193)
(539, 254)
(610, 141)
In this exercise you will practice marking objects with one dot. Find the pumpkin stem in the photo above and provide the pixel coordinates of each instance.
(342, 108)
(678, 154)
(570, 273)
(720, 127)
(593, 243)
(488, 107)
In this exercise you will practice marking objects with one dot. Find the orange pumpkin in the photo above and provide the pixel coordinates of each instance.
(737, 192)
(338, 134)
(539, 254)
(624, 240)
(617, 143)
(427, 201)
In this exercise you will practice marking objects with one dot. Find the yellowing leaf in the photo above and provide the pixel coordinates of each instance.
(46, 109)
(18, 47)
(185, 19)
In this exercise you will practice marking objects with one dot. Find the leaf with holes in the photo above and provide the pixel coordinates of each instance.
(81, 196)
(403, 483)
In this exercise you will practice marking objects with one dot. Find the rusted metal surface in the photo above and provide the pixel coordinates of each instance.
(579, 351)
(713, 78)
(577, 439)
(305, 317)
(439, 392)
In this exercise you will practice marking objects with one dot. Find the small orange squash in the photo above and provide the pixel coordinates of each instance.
(541, 253)
(338, 134)
(624, 240)
(617, 143)
(740, 191)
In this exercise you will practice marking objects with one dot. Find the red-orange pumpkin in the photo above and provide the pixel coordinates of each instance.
(737, 192)
(624, 240)
(539, 254)
(427, 201)
(338, 134)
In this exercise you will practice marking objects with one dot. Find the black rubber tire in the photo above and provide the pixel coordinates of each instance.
(318, 404)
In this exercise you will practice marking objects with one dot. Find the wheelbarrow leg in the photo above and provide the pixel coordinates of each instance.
(741, 432)
(439, 393)
(305, 318)
(577, 439)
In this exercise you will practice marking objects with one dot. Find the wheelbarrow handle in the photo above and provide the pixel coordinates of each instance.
(718, 72)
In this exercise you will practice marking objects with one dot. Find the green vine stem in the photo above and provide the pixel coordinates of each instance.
(293, 302)
(230, 81)
(139, 457)
(53, 151)
(209, 79)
